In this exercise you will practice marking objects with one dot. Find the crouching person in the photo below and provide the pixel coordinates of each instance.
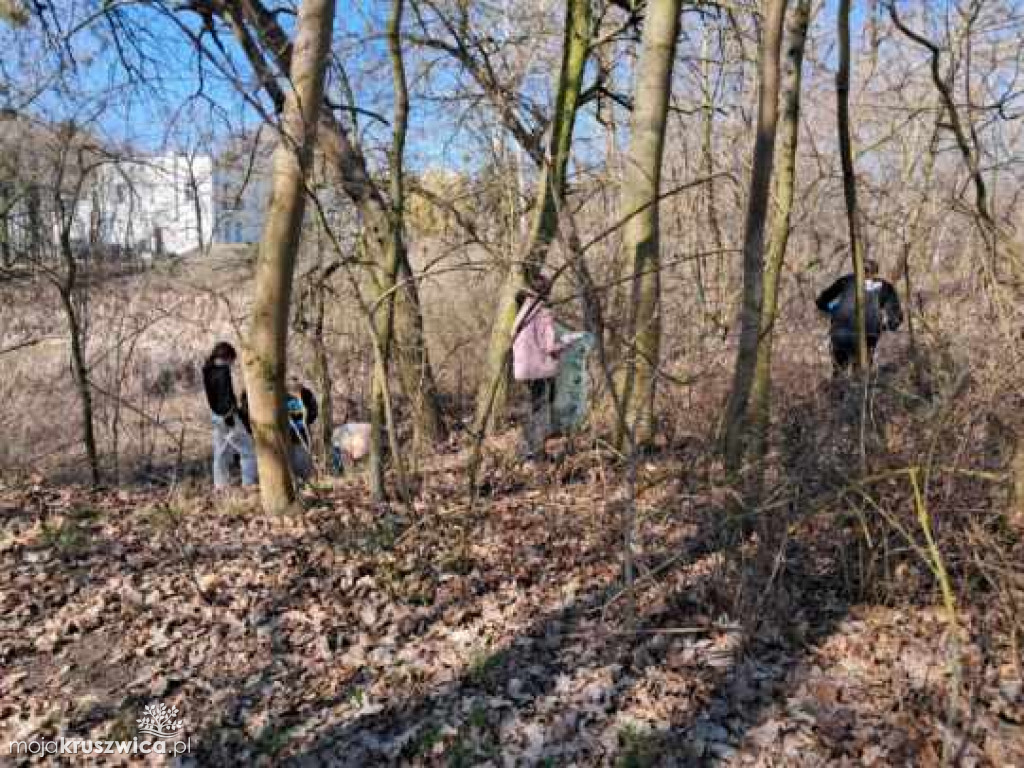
(302, 412)
(351, 443)
(535, 353)
(231, 433)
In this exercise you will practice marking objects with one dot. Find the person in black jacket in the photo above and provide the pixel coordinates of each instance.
(882, 312)
(231, 434)
(302, 412)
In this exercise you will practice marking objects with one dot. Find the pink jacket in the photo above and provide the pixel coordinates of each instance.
(534, 349)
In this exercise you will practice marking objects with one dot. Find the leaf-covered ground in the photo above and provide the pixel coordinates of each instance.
(444, 635)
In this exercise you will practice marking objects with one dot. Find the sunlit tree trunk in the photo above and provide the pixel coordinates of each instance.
(13, 12)
(785, 182)
(266, 345)
(493, 393)
(735, 422)
(383, 319)
(270, 49)
(640, 187)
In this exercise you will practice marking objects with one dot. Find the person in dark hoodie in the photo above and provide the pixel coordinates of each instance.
(882, 312)
(231, 433)
(302, 412)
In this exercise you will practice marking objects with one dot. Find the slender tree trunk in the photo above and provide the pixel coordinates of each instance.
(493, 393)
(640, 188)
(323, 371)
(6, 203)
(34, 241)
(383, 319)
(707, 152)
(346, 158)
(266, 348)
(378, 426)
(78, 364)
(785, 182)
(735, 424)
(850, 181)
(915, 247)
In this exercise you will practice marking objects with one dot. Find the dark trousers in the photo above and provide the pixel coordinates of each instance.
(844, 350)
(538, 423)
(542, 394)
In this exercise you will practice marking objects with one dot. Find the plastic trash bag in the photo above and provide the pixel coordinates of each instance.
(572, 385)
(349, 443)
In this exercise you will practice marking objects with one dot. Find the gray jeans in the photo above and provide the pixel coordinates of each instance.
(538, 424)
(227, 442)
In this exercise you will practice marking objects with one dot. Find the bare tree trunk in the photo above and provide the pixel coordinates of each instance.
(735, 424)
(78, 364)
(378, 425)
(266, 348)
(707, 152)
(13, 12)
(346, 158)
(785, 183)
(323, 368)
(850, 181)
(640, 188)
(493, 393)
(383, 319)
(7, 200)
(35, 223)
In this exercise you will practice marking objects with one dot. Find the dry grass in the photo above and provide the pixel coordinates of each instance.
(829, 560)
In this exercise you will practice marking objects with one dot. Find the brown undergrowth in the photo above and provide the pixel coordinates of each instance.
(445, 634)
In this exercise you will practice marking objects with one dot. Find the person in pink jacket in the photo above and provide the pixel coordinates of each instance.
(535, 352)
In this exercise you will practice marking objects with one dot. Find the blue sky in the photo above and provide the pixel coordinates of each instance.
(179, 100)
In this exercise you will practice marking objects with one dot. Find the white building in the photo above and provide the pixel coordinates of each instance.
(174, 204)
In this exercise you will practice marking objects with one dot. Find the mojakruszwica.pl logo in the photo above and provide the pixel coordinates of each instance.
(161, 732)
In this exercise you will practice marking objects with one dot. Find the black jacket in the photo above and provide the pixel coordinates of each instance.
(220, 393)
(882, 306)
(301, 416)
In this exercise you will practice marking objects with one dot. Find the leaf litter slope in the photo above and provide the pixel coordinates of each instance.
(351, 636)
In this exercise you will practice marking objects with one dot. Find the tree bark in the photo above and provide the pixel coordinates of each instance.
(383, 313)
(707, 153)
(735, 423)
(785, 182)
(6, 203)
(640, 187)
(266, 345)
(850, 181)
(78, 365)
(323, 366)
(348, 161)
(493, 392)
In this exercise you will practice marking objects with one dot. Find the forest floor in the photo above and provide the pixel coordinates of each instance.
(441, 634)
